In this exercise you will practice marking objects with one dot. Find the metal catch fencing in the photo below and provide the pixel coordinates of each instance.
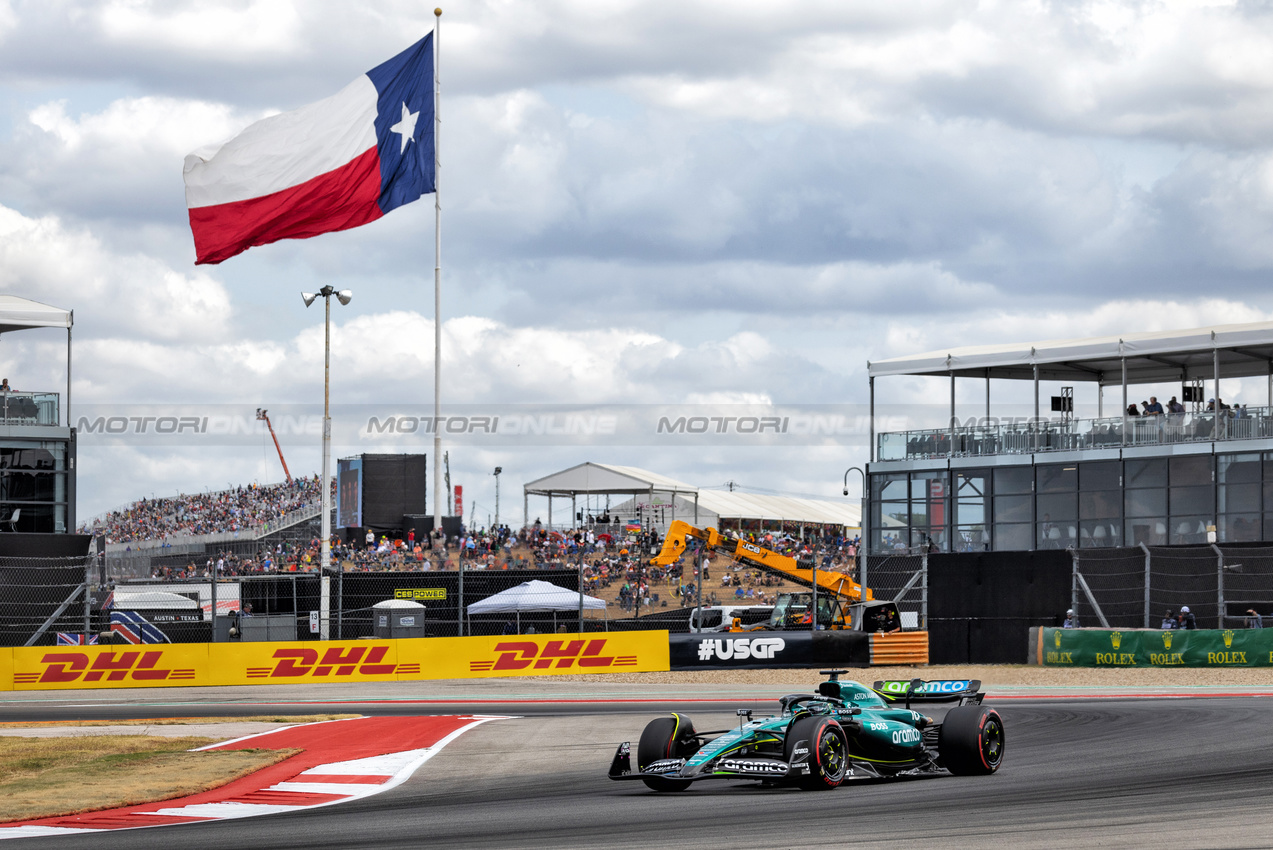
(1137, 587)
(903, 579)
(41, 597)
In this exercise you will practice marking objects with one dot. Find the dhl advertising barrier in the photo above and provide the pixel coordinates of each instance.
(1152, 647)
(221, 664)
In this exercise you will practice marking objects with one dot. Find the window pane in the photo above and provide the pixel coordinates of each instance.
(1057, 508)
(1189, 470)
(1103, 504)
(1055, 535)
(1099, 535)
(1014, 509)
(1058, 478)
(1146, 503)
(1014, 537)
(970, 512)
(1238, 469)
(890, 487)
(1189, 529)
(1192, 500)
(1146, 472)
(1239, 498)
(894, 515)
(1101, 475)
(1152, 531)
(972, 538)
(1239, 528)
(1013, 479)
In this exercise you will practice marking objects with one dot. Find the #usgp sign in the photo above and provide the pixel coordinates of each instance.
(738, 650)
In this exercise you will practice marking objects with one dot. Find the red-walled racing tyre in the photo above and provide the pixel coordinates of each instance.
(666, 738)
(828, 751)
(971, 741)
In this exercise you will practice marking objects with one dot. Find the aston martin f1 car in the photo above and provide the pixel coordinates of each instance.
(845, 731)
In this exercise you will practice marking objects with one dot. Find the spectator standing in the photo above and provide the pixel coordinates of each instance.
(1071, 620)
(1168, 620)
(1185, 620)
(1153, 408)
(1253, 619)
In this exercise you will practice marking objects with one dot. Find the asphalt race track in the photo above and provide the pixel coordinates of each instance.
(1160, 773)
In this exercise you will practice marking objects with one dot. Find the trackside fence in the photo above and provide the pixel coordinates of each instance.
(1135, 588)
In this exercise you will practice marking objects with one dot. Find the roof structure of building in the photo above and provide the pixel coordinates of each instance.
(1242, 350)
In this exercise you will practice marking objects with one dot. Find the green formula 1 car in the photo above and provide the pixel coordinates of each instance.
(844, 731)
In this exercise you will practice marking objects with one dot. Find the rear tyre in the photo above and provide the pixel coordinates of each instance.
(666, 738)
(971, 741)
(828, 751)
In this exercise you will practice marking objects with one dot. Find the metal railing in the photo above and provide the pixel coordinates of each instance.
(1076, 435)
(30, 408)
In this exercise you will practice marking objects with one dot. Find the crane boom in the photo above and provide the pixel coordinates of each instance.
(838, 584)
(262, 413)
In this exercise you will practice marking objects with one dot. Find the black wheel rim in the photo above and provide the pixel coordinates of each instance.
(992, 742)
(832, 754)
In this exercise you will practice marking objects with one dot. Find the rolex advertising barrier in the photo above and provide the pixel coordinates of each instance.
(1053, 647)
(220, 664)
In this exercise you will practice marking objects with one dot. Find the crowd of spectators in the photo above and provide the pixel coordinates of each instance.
(238, 509)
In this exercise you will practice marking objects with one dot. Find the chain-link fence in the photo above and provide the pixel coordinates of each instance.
(903, 579)
(41, 597)
(1139, 588)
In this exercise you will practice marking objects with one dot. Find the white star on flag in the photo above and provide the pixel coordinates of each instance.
(405, 127)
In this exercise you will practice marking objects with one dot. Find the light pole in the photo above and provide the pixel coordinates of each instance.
(863, 520)
(498, 470)
(343, 296)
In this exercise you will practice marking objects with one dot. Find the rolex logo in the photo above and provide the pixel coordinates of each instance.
(1116, 639)
(1228, 638)
(1166, 640)
(1056, 638)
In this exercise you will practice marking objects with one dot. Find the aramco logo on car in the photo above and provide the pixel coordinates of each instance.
(739, 649)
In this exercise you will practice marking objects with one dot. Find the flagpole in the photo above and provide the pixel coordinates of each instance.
(437, 278)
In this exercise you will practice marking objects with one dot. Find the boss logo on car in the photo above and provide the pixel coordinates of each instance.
(740, 649)
(754, 766)
(665, 766)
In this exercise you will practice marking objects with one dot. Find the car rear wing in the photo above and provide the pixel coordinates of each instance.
(962, 691)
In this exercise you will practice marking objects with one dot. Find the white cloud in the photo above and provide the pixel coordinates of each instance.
(118, 295)
(257, 28)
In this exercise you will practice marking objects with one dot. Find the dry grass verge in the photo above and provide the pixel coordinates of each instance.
(186, 721)
(45, 777)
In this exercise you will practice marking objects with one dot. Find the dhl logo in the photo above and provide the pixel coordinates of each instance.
(138, 666)
(335, 661)
(522, 655)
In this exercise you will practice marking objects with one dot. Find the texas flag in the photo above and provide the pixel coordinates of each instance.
(335, 164)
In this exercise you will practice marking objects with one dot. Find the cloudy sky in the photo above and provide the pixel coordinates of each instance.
(698, 204)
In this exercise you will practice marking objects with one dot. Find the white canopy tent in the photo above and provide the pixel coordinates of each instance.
(600, 479)
(721, 507)
(20, 314)
(536, 596)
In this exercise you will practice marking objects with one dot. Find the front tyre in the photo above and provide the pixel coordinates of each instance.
(828, 751)
(971, 741)
(666, 738)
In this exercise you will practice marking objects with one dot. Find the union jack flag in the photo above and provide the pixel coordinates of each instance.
(134, 628)
(74, 639)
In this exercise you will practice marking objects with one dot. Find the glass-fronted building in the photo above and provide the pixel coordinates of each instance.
(37, 443)
(1197, 476)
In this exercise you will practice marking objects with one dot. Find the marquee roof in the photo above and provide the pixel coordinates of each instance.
(19, 314)
(1244, 350)
(605, 478)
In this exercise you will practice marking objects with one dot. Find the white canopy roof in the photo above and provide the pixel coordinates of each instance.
(535, 595)
(128, 599)
(19, 314)
(605, 478)
(1244, 350)
(715, 505)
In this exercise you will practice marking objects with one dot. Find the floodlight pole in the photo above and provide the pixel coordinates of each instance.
(326, 520)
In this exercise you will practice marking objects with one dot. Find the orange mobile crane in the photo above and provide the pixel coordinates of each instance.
(791, 609)
(262, 413)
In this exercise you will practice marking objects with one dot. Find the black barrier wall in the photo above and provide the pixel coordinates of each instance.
(761, 650)
(981, 605)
